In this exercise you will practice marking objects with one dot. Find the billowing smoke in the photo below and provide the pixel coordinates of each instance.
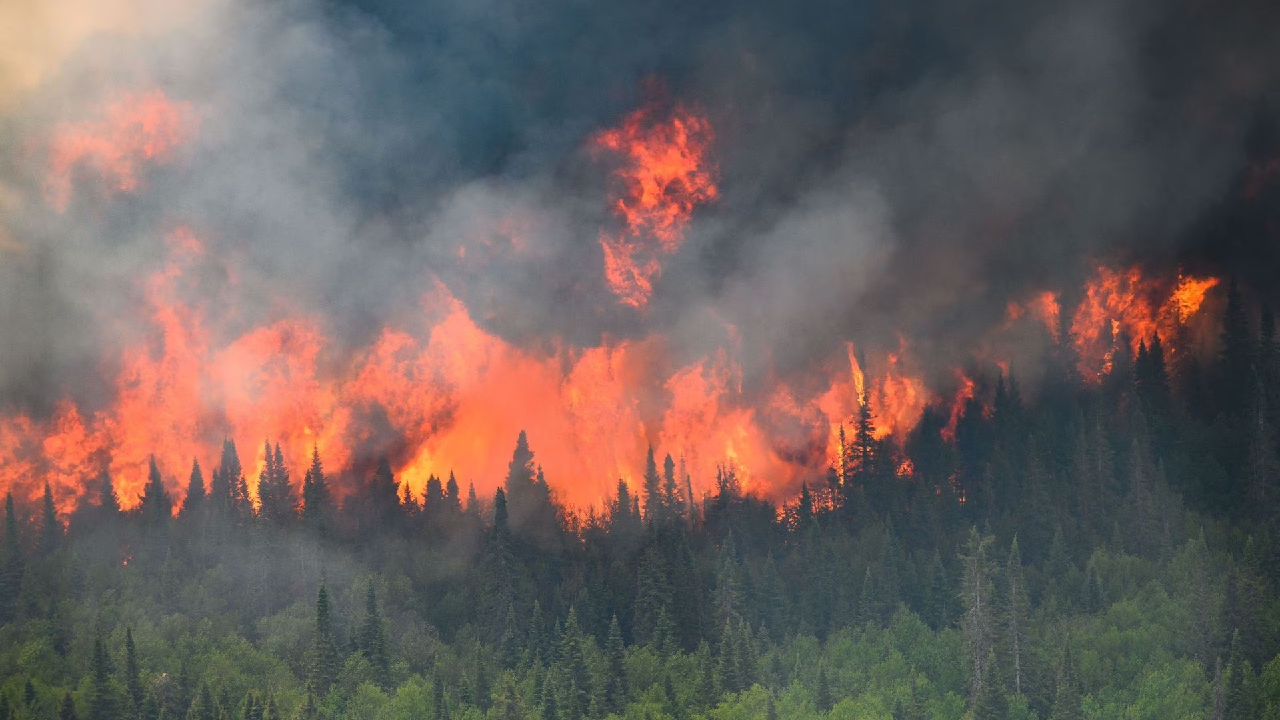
(300, 194)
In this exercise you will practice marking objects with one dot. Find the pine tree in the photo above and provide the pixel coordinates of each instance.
(976, 597)
(253, 707)
(325, 662)
(653, 605)
(822, 695)
(573, 665)
(453, 501)
(108, 501)
(67, 707)
(317, 501)
(193, 503)
(11, 571)
(50, 527)
(156, 506)
(652, 489)
(202, 706)
(520, 476)
(228, 490)
(991, 702)
(615, 689)
(433, 501)
(102, 700)
(309, 711)
(383, 496)
(671, 496)
(276, 496)
(1015, 614)
(373, 637)
(1066, 700)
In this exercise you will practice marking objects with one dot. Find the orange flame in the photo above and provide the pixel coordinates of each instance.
(964, 393)
(664, 174)
(1044, 307)
(1129, 303)
(132, 132)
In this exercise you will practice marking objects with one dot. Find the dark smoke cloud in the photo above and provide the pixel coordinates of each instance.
(885, 167)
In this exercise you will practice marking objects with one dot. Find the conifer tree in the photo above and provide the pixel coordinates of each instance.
(132, 678)
(615, 690)
(373, 637)
(50, 527)
(11, 563)
(102, 699)
(156, 506)
(317, 501)
(453, 501)
(67, 707)
(976, 597)
(253, 707)
(671, 495)
(1066, 699)
(108, 501)
(278, 501)
(822, 695)
(193, 502)
(652, 489)
(325, 662)
(1015, 614)
(202, 706)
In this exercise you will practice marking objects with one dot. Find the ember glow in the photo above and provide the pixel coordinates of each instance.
(116, 147)
(664, 173)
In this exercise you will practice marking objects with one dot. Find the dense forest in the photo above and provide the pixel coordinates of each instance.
(1106, 549)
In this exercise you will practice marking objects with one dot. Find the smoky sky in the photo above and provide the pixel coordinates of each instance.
(887, 169)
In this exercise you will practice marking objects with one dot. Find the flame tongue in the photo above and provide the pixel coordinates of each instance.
(132, 132)
(664, 173)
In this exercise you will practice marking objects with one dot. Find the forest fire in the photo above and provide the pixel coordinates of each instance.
(445, 394)
(663, 173)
